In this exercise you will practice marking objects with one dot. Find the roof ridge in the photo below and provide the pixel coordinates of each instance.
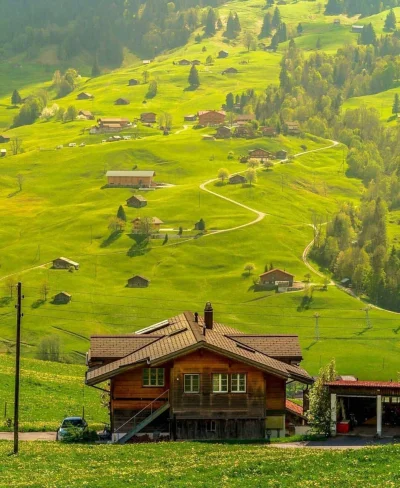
(193, 327)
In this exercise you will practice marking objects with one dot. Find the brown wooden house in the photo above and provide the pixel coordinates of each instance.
(140, 179)
(276, 276)
(281, 154)
(244, 119)
(223, 132)
(133, 82)
(211, 117)
(138, 282)
(194, 378)
(4, 138)
(223, 54)
(87, 114)
(122, 101)
(236, 179)
(84, 96)
(148, 117)
(230, 71)
(65, 263)
(62, 298)
(268, 131)
(261, 154)
(154, 225)
(136, 201)
(292, 128)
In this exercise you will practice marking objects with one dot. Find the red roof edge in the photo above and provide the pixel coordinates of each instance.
(294, 408)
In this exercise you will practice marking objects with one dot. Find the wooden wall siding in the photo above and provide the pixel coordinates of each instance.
(207, 404)
(275, 393)
(122, 416)
(129, 180)
(224, 429)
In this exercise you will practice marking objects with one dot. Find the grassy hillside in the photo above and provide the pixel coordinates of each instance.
(206, 465)
(64, 210)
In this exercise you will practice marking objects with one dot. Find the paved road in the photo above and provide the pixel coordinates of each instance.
(339, 442)
(29, 436)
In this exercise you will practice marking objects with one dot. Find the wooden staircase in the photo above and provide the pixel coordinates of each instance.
(139, 423)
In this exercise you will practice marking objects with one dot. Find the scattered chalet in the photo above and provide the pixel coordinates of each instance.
(154, 224)
(244, 119)
(211, 117)
(230, 71)
(148, 117)
(84, 96)
(223, 132)
(133, 82)
(268, 131)
(260, 154)
(3, 153)
(136, 201)
(293, 128)
(196, 62)
(236, 179)
(194, 378)
(184, 62)
(138, 282)
(109, 124)
(281, 154)
(62, 298)
(65, 263)
(122, 101)
(277, 276)
(357, 29)
(223, 54)
(190, 118)
(86, 114)
(140, 179)
(4, 138)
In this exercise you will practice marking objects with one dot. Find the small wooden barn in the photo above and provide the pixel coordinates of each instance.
(64, 263)
(133, 82)
(87, 114)
(122, 101)
(230, 71)
(141, 179)
(62, 298)
(223, 54)
(138, 282)
(276, 276)
(261, 154)
(281, 154)
(148, 117)
(4, 138)
(136, 201)
(84, 96)
(236, 179)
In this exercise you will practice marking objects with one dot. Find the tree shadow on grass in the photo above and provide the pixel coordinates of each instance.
(310, 346)
(4, 301)
(362, 332)
(10, 195)
(38, 303)
(140, 247)
(305, 303)
(190, 88)
(114, 236)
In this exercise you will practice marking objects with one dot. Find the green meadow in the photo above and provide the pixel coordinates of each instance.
(64, 209)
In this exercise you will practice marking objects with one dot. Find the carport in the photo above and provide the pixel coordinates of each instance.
(365, 407)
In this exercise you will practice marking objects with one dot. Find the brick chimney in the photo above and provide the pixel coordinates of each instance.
(208, 316)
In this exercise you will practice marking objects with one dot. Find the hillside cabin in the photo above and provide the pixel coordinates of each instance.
(136, 201)
(357, 29)
(148, 118)
(244, 119)
(260, 154)
(107, 125)
(140, 179)
(281, 154)
(223, 132)
(211, 117)
(154, 224)
(268, 131)
(146, 61)
(196, 62)
(208, 137)
(122, 101)
(336, 22)
(65, 263)
(192, 378)
(106, 121)
(276, 277)
(190, 118)
(292, 128)
(184, 62)
(86, 114)
(230, 71)
(365, 407)
(62, 298)
(223, 54)
(244, 131)
(237, 179)
(346, 282)
(133, 82)
(138, 282)
(84, 96)
(4, 138)
(3, 153)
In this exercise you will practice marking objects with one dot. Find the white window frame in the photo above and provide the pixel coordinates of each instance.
(147, 381)
(211, 426)
(191, 390)
(237, 378)
(220, 375)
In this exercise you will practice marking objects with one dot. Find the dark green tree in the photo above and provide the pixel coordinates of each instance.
(266, 29)
(299, 29)
(229, 101)
(390, 22)
(194, 80)
(276, 19)
(121, 213)
(95, 68)
(282, 32)
(368, 35)
(319, 43)
(396, 104)
(16, 98)
(334, 7)
(210, 22)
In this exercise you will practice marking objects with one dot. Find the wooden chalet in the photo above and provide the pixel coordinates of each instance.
(292, 128)
(277, 276)
(109, 124)
(84, 96)
(357, 29)
(140, 179)
(223, 54)
(196, 62)
(148, 118)
(211, 117)
(244, 119)
(184, 62)
(223, 132)
(122, 101)
(155, 224)
(230, 71)
(190, 118)
(133, 82)
(65, 263)
(268, 131)
(86, 114)
(104, 121)
(193, 378)
(4, 138)
(3, 153)
(281, 154)
(62, 298)
(136, 201)
(365, 407)
(260, 154)
(236, 179)
(138, 282)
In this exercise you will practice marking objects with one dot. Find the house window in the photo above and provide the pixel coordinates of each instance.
(220, 383)
(238, 383)
(153, 377)
(192, 383)
(211, 426)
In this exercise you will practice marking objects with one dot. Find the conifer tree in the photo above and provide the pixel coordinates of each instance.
(96, 68)
(390, 22)
(194, 80)
(276, 19)
(319, 43)
(396, 104)
(16, 98)
(299, 29)
(210, 22)
(121, 213)
(266, 29)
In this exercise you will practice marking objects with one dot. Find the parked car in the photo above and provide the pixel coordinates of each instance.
(72, 144)
(77, 422)
(127, 138)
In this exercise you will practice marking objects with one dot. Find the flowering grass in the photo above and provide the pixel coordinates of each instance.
(47, 465)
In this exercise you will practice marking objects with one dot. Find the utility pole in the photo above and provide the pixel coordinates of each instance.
(316, 316)
(17, 365)
(367, 317)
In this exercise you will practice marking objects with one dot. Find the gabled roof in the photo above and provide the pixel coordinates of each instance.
(137, 197)
(138, 174)
(275, 270)
(259, 149)
(295, 409)
(140, 277)
(112, 120)
(181, 335)
(220, 112)
(154, 220)
(117, 346)
(69, 261)
(275, 346)
(365, 384)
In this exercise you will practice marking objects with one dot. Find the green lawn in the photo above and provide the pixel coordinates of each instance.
(194, 464)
